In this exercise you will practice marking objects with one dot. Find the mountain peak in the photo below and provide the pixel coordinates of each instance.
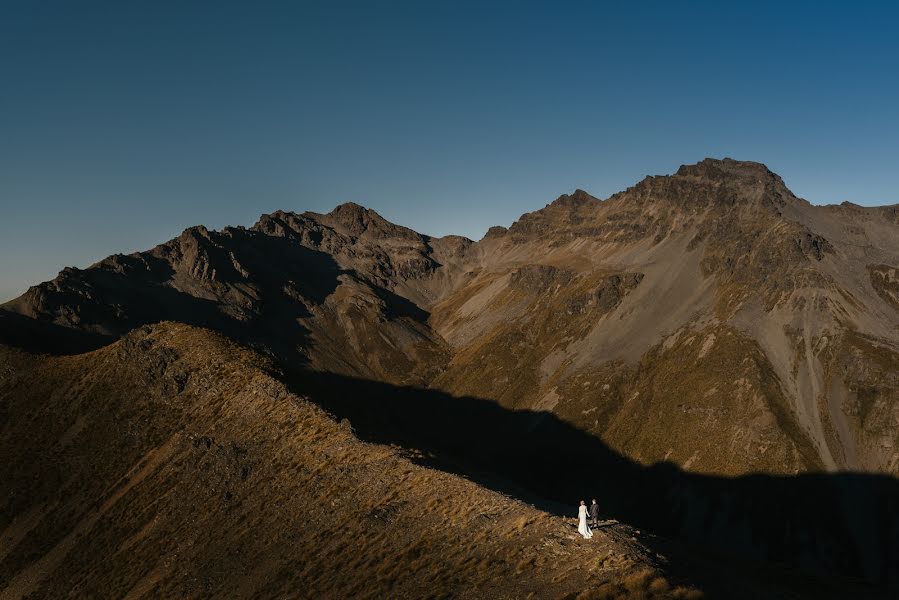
(358, 220)
(576, 198)
(713, 181)
(717, 169)
(353, 215)
(351, 208)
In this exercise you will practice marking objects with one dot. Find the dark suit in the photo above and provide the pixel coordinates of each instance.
(594, 514)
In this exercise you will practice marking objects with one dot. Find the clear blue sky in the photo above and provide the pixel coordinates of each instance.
(122, 122)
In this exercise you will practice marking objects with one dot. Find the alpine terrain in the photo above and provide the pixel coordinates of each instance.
(333, 405)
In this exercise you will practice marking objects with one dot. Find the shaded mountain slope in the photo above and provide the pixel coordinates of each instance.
(173, 464)
(260, 286)
(827, 524)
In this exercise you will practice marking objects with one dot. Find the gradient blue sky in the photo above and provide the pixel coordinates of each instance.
(122, 122)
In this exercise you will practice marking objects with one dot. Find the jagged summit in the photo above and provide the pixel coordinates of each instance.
(658, 204)
(357, 220)
(575, 199)
(351, 213)
(726, 168)
(713, 182)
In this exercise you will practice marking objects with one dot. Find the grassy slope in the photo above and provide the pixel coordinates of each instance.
(173, 464)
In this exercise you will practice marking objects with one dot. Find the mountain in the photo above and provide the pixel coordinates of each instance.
(721, 352)
(716, 279)
(742, 328)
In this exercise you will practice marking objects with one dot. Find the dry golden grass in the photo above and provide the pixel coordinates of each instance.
(643, 584)
(193, 472)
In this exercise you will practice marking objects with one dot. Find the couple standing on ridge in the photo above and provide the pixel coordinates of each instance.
(582, 511)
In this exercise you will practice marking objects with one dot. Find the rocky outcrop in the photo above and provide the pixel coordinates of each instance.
(885, 281)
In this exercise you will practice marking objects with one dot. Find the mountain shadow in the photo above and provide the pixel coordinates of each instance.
(824, 524)
(44, 337)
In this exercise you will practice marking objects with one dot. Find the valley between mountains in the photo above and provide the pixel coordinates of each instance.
(333, 405)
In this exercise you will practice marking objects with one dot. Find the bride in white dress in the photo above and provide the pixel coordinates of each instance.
(582, 527)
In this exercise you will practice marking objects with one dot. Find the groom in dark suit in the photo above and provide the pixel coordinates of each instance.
(594, 513)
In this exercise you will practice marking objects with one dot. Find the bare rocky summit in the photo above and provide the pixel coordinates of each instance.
(693, 328)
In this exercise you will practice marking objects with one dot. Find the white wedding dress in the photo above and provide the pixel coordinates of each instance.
(582, 527)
